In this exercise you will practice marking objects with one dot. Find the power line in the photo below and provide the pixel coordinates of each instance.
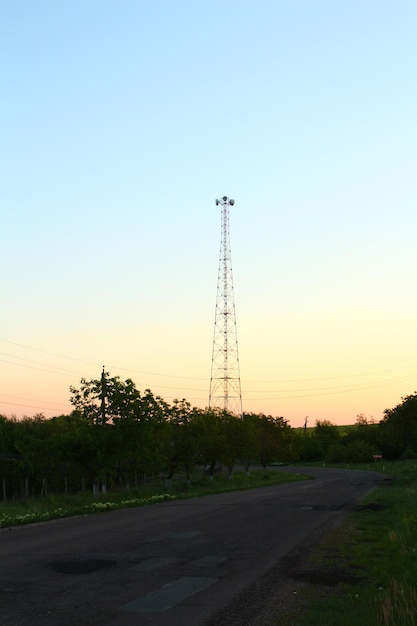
(116, 367)
(163, 375)
(301, 380)
(299, 393)
(37, 363)
(7, 395)
(30, 406)
(331, 393)
(341, 387)
(21, 345)
(39, 369)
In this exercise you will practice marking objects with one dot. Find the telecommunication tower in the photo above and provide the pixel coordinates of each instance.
(225, 390)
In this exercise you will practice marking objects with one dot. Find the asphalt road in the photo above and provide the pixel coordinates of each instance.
(187, 562)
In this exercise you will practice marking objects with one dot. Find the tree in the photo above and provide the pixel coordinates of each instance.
(75, 443)
(7, 434)
(272, 443)
(211, 438)
(359, 443)
(327, 435)
(123, 425)
(102, 400)
(11, 461)
(232, 428)
(399, 429)
(247, 443)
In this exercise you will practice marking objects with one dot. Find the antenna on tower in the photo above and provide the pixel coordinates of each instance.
(225, 390)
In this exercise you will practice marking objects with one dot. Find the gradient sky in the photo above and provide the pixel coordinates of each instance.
(121, 121)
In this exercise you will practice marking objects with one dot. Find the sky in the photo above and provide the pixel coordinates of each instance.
(121, 122)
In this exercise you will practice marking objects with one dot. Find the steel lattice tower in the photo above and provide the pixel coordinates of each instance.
(225, 390)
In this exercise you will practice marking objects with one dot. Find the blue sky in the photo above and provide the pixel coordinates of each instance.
(121, 122)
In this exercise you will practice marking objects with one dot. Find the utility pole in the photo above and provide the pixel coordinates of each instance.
(103, 396)
(225, 390)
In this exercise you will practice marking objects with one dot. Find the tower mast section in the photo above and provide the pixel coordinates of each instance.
(225, 389)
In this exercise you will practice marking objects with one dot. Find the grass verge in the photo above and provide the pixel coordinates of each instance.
(365, 571)
(55, 506)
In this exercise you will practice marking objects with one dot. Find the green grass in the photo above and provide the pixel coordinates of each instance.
(55, 506)
(373, 555)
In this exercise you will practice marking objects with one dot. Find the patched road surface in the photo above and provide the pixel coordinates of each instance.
(180, 562)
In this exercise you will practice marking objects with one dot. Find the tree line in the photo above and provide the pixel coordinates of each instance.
(119, 436)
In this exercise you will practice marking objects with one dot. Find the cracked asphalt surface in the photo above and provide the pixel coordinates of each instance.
(225, 559)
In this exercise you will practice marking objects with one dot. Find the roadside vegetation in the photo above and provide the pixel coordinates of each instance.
(365, 572)
(55, 506)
